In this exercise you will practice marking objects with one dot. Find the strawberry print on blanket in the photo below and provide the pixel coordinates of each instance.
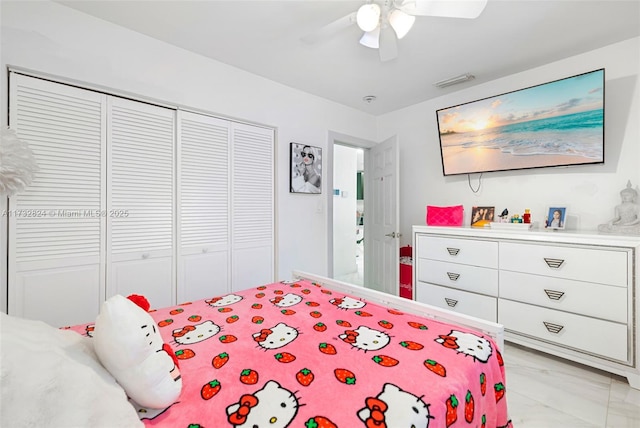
(297, 354)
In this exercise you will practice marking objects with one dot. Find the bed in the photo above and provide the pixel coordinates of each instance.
(310, 352)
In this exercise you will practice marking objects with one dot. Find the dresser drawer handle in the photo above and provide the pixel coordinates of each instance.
(453, 276)
(553, 263)
(145, 256)
(450, 302)
(553, 294)
(553, 328)
(453, 251)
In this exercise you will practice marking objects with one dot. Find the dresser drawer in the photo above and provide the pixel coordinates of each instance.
(583, 298)
(463, 277)
(466, 251)
(599, 337)
(605, 266)
(458, 301)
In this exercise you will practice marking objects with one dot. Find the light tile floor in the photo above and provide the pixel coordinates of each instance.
(546, 391)
(356, 277)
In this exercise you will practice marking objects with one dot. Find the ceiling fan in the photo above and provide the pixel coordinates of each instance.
(384, 22)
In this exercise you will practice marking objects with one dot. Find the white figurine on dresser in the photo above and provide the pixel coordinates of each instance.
(627, 214)
(570, 294)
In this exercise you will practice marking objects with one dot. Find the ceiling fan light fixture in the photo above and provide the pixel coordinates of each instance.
(371, 39)
(401, 22)
(368, 16)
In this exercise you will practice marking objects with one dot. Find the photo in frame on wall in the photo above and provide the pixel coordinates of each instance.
(306, 169)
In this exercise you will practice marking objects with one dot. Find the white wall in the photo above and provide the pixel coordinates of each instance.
(589, 192)
(50, 38)
(344, 210)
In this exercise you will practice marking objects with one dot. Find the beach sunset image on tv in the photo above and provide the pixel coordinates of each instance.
(558, 123)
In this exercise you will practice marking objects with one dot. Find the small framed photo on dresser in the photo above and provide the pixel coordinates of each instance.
(482, 215)
(556, 217)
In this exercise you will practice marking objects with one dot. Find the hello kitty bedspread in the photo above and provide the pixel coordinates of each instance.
(301, 355)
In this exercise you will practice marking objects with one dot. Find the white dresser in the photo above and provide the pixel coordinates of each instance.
(574, 295)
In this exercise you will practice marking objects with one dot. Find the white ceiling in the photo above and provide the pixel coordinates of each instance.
(264, 38)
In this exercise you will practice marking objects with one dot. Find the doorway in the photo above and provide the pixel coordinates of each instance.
(348, 214)
(380, 220)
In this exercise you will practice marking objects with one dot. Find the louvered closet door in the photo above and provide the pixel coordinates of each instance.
(56, 232)
(203, 208)
(252, 211)
(140, 147)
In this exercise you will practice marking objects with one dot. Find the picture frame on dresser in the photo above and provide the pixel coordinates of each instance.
(482, 213)
(556, 218)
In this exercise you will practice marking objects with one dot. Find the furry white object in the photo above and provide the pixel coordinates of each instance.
(129, 345)
(17, 164)
(52, 378)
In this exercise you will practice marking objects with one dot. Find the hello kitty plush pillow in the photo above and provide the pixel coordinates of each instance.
(128, 344)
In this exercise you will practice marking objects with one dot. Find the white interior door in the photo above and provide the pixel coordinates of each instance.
(381, 219)
(252, 206)
(56, 237)
(203, 208)
(140, 173)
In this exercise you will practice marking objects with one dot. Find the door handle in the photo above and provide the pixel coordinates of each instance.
(394, 235)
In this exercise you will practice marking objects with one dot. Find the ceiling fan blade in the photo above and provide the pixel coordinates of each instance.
(469, 9)
(371, 39)
(388, 49)
(330, 29)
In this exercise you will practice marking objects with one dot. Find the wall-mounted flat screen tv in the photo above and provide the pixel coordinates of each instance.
(559, 123)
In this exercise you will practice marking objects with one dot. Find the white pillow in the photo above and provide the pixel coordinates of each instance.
(128, 343)
(51, 377)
